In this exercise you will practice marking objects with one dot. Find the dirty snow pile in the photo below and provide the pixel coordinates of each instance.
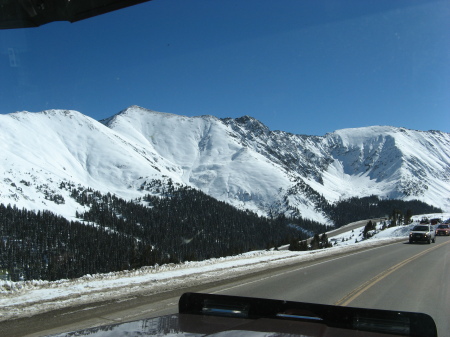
(27, 298)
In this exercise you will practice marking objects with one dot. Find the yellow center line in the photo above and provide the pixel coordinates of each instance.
(365, 286)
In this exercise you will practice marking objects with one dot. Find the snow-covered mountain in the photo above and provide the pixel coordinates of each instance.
(239, 161)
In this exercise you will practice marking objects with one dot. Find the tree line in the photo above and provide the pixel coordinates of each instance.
(42, 245)
(114, 234)
(399, 211)
(181, 224)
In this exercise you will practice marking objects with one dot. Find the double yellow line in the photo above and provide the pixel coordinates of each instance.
(374, 280)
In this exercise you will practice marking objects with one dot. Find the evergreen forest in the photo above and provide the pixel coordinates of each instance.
(182, 224)
(398, 211)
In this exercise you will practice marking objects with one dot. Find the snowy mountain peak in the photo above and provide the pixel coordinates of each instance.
(133, 112)
(48, 113)
(239, 161)
(249, 124)
(51, 118)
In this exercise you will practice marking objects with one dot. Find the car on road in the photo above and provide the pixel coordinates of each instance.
(422, 233)
(443, 229)
(435, 221)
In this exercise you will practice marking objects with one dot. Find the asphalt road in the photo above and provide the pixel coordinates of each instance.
(400, 276)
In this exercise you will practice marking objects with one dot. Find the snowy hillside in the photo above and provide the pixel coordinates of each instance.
(393, 162)
(44, 152)
(239, 161)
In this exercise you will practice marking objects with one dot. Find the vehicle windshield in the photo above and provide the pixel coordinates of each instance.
(253, 148)
(421, 228)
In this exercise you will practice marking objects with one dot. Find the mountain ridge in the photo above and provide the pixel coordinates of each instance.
(240, 161)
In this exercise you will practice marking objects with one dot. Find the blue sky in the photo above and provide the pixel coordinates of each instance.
(306, 67)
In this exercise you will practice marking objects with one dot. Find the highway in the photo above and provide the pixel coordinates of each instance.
(398, 276)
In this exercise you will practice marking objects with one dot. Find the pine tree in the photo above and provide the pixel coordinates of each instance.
(367, 228)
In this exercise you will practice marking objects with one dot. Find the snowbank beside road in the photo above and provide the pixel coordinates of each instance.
(27, 298)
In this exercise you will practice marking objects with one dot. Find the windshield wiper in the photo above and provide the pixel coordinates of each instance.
(350, 318)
